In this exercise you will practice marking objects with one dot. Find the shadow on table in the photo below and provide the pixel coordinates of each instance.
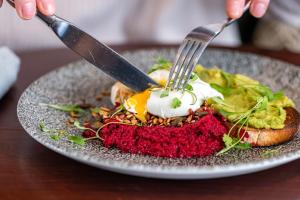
(80, 179)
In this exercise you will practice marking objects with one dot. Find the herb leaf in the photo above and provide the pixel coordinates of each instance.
(117, 110)
(43, 127)
(55, 137)
(243, 146)
(175, 103)
(165, 93)
(67, 108)
(220, 101)
(189, 87)
(55, 134)
(194, 97)
(270, 152)
(160, 64)
(263, 105)
(95, 110)
(194, 77)
(77, 139)
(227, 140)
(77, 125)
(278, 95)
(222, 90)
(233, 143)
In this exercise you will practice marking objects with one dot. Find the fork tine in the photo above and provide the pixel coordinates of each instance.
(182, 61)
(173, 69)
(189, 59)
(196, 58)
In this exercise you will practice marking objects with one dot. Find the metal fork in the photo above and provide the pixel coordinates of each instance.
(191, 50)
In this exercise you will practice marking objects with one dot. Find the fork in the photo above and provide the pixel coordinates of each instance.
(191, 50)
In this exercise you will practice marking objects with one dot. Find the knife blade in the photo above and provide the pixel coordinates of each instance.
(98, 53)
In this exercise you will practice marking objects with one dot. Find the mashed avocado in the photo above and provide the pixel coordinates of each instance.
(241, 94)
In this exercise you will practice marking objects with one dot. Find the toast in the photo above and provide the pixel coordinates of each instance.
(269, 137)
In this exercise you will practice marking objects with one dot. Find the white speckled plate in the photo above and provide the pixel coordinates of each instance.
(77, 81)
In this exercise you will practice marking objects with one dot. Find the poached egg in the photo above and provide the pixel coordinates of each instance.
(166, 103)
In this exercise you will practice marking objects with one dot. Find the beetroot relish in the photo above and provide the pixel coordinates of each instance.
(202, 138)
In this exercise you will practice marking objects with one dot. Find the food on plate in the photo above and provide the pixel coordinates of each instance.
(215, 113)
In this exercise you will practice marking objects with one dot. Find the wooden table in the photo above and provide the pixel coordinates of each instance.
(30, 171)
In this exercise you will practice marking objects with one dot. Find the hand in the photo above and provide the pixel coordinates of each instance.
(26, 9)
(234, 8)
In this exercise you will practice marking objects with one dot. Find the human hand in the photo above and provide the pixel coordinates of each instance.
(234, 8)
(26, 9)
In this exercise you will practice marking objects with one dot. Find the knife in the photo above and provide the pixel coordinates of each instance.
(97, 53)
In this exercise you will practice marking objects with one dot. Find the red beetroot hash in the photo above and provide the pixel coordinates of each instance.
(201, 138)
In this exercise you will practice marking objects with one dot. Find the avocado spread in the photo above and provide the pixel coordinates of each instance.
(241, 94)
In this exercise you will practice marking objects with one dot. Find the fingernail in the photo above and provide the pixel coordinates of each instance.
(28, 10)
(49, 8)
(235, 9)
(259, 9)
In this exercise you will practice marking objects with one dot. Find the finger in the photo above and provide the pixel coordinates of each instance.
(1, 2)
(26, 9)
(234, 8)
(259, 7)
(47, 7)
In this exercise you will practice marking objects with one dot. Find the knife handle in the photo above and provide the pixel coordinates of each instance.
(49, 20)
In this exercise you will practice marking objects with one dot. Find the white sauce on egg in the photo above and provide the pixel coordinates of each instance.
(162, 106)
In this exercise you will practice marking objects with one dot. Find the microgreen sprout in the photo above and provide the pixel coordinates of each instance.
(164, 93)
(189, 87)
(54, 134)
(176, 103)
(193, 77)
(270, 152)
(118, 110)
(244, 118)
(65, 108)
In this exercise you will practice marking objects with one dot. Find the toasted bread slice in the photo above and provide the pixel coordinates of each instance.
(269, 137)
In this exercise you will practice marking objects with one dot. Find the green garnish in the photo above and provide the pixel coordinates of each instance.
(236, 143)
(230, 141)
(278, 95)
(55, 134)
(95, 110)
(175, 103)
(270, 152)
(76, 139)
(164, 93)
(55, 137)
(118, 110)
(194, 77)
(58, 134)
(193, 95)
(189, 87)
(66, 108)
(220, 101)
(222, 90)
(160, 64)
(77, 125)
(228, 77)
(43, 127)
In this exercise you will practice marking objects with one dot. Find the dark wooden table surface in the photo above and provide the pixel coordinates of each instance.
(30, 171)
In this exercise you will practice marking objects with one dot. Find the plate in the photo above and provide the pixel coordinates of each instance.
(80, 80)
